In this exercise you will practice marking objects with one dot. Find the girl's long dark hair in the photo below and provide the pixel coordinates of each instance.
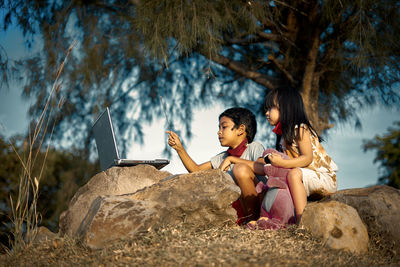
(292, 112)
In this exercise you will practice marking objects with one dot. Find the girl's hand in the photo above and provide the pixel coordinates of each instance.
(174, 141)
(224, 166)
(276, 159)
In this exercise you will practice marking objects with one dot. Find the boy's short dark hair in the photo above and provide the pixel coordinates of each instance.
(242, 116)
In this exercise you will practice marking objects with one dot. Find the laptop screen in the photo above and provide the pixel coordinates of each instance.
(105, 140)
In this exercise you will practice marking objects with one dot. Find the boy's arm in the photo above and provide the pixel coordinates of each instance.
(256, 166)
(188, 162)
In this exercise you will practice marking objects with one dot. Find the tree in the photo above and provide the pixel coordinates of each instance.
(387, 149)
(339, 54)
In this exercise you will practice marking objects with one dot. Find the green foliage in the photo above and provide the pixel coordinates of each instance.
(64, 172)
(387, 149)
(341, 55)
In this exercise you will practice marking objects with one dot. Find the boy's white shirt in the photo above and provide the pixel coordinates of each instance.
(253, 152)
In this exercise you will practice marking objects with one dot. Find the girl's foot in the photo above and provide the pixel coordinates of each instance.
(252, 225)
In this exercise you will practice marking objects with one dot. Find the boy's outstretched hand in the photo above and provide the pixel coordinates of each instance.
(174, 141)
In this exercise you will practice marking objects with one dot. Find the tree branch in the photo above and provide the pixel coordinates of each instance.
(242, 70)
(245, 41)
(269, 36)
(282, 69)
(335, 37)
(135, 2)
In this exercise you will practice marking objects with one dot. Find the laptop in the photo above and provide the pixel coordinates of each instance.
(107, 146)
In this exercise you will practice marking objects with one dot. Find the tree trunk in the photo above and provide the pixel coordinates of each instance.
(309, 90)
(310, 82)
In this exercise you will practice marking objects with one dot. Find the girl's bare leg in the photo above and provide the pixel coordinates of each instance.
(246, 179)
(299, 195)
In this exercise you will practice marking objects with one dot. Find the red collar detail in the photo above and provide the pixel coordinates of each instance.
(278, 129)
(238, 151)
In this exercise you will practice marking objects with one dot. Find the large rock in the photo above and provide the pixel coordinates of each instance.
(200, 198)
(197, 199)
(113, 181)
(379, 208)
(116, 217)
(337, 224)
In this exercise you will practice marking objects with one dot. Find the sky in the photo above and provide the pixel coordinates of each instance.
(343, 144)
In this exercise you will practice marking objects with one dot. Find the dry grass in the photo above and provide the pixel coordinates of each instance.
(228, 246)
(25, 218)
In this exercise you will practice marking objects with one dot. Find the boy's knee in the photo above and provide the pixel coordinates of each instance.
(241, 170)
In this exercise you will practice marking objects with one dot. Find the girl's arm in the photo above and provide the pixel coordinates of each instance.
(256, 166)
(305, 153)
(188, 162)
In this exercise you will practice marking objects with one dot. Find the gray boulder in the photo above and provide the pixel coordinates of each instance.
(197, 200)
(337, 224)
(379, 208)
(115, 217)
(113, 181)
(200, 198)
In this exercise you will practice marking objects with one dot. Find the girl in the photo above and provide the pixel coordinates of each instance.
(312, 171)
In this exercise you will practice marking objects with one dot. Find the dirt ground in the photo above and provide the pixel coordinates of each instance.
(229, 245)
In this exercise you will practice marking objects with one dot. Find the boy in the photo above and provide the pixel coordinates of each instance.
(237, 128)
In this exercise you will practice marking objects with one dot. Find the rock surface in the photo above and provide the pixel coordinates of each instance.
(43, 235)
(113, 181)
(337, 224)
(196, 199)
(115, 217)
(379, 208)
(200, 198)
